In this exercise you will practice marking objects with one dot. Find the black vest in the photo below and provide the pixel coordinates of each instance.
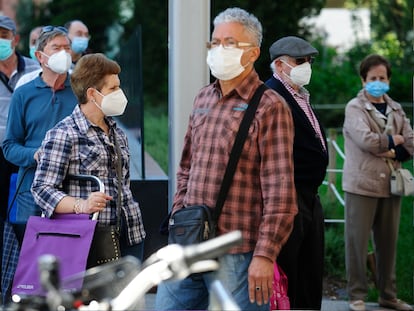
(310, 158)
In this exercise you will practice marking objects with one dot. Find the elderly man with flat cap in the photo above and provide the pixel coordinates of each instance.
(302, 256)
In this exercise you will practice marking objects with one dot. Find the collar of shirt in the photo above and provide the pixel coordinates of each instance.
(303, 93)
(84, 124)
(41, 84)
(246, 88)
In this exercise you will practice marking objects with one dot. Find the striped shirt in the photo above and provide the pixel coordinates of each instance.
(302, 98)
(76, 146)
(261, 202)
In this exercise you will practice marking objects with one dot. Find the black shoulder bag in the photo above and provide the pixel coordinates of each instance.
(197, 223)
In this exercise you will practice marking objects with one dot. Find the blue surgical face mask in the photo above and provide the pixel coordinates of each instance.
(377, 88)
(6, 49)
(79, 44)
(32, 52)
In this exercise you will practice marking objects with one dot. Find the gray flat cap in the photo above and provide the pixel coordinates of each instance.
(7, 23)
(291, 46)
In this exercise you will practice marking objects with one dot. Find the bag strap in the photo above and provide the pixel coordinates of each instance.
(119, 179)
(237, 148)
(390, 164)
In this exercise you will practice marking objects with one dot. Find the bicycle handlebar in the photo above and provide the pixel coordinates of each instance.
(174, 262)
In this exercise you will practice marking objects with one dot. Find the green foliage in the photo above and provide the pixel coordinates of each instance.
(156, 134)
(334, 264)
(98, 15)
(153, 18)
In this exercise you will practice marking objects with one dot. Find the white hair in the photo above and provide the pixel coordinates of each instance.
(247, 20)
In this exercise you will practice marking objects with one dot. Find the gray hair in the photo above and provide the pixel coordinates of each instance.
(46, 37)
(273, 65)
(247, 20)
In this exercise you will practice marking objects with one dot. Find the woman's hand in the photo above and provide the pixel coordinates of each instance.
(95, 202)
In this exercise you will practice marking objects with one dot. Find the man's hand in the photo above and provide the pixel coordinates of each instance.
(260, 276)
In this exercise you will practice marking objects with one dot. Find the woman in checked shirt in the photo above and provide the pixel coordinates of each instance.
(90, 142)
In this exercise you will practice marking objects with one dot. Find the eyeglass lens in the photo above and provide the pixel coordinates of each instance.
(301, 60)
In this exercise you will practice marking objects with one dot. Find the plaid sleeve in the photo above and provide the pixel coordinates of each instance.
(277, 178)
(51, 170)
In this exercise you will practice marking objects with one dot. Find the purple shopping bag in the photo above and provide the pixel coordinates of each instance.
(66, 236)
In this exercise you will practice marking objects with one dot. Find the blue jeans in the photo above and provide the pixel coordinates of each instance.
(192, 292)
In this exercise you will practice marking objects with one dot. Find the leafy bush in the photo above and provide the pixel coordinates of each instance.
(334, 264)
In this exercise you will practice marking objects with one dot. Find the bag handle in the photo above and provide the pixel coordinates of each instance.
(237, 148)
(90, 178)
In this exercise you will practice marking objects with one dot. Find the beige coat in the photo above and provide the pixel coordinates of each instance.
(365, 173)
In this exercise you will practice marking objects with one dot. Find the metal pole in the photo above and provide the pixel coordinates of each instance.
(188, 31)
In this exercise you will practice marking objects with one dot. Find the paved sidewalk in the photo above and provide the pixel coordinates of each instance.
(341, 305)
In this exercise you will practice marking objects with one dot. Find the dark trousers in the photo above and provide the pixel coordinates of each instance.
(302, 257)
(6, 170)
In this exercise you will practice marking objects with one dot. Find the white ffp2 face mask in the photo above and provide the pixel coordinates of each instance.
(113, 104)
(59, 62)
(301, 74)
(225, 64)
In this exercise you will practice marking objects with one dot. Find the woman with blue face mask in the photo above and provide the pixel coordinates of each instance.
(377, 134)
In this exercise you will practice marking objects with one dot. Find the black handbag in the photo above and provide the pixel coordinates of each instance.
(197, 223)
(105, 246)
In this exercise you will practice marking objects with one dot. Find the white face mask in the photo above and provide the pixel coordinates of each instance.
(113, 104)
(225, 63)
(59, 62)
(301, 74)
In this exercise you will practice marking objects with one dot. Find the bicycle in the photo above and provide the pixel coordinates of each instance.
(123, 285)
